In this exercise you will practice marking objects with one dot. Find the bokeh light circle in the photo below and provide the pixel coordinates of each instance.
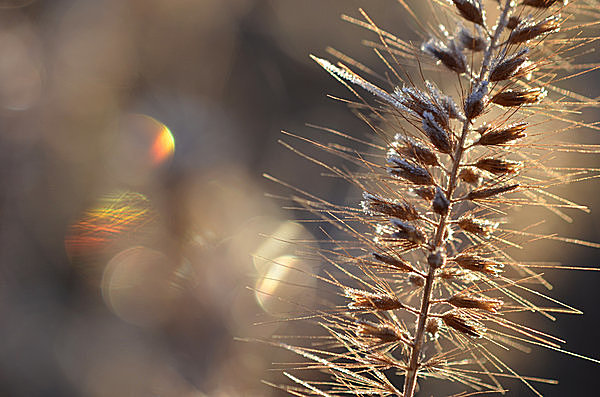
(139, 286)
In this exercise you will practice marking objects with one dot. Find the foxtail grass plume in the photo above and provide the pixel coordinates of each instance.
(425, 284)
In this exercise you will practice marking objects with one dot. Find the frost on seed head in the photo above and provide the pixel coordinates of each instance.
(506, 67)
(409, 147)
(375, 301)
(476, 101)
(436, 134)
(471, 10)
(450, 55)
(413, 173)
(528, 30)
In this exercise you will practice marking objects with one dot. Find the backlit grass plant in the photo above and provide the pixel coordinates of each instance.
(466, 125)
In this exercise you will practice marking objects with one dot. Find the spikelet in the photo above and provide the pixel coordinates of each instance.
(406, 146)
(373, 204)
(513, 22)
(436, 134)
(433, 326)
(504, 68)
(510, 98)
(426, 193)
(365, 300)
(476, 101)
(471, 10)
(385, 332)
(450, 55)
(469, 302)
(478, 264)
(463, 325)
(480, 227)
(408, 171)
(406, 231)
(426, 282)
(528, 30)
(498, 166)
(397, 263)
(503, 135)
(481, 194)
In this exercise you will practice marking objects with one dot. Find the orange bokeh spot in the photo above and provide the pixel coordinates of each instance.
(163, 146)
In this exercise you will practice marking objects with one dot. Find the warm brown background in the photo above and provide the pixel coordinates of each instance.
(224, 76)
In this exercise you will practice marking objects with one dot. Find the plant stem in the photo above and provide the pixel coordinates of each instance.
(410, 380)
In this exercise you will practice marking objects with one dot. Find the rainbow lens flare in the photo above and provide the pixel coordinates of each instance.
(120, 216)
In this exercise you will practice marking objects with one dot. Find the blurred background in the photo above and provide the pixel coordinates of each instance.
(134, 134)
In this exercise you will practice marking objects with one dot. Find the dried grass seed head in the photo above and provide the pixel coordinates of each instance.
(385, 332)
(375, 205)
(528, 30)
(409, 147)
(480, 227)
(471, 302)
(458, 322)
(436, 134)
(510, 98)
(419, 162)
(476, 263)
(408, 171)
(504, 68)
(451, 55)
(502, 135)
(374, 301)
(481, 194)
(471, 10)
(407, 231)
(498, 166)
(397, 263)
